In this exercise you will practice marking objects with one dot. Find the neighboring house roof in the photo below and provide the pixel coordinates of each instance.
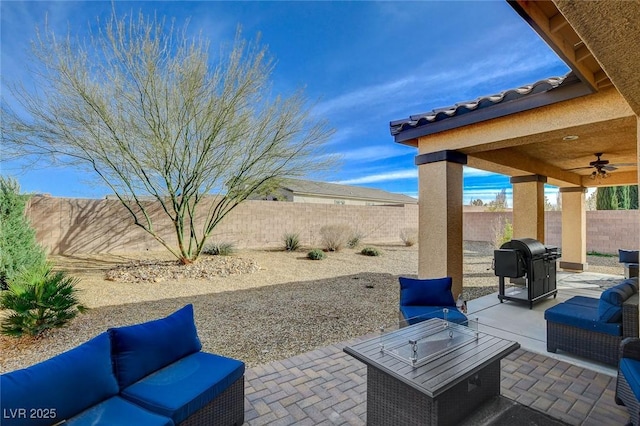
(507, 102)
(306, 187)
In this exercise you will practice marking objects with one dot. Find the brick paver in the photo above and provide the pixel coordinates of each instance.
(328, 387)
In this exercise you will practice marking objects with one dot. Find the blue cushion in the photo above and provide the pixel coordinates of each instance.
(608, 312)
(139, 350)
(69, 383)
(628, 256)
(581, 317)
(618, 294)
(632, 283)
(185, 386)
(631, 370)
(426, 292)
(416, 314)
(589, 302)
(118, 411)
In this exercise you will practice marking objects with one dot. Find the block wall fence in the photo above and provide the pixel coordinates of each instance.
(68, 226)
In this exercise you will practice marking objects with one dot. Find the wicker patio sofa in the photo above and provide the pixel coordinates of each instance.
(628, 383)
(151, 374)
(593, 328)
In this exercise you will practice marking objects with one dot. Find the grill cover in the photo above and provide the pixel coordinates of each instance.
(530, 247)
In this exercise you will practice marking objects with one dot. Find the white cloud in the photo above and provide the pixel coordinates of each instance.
(471, 172)
(382, 177)
(375, 153)
(410, 91)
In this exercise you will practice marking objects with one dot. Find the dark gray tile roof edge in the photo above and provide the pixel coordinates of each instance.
(459, 109)
(308, 187)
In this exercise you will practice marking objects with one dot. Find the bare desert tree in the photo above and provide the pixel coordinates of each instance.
(153, 114)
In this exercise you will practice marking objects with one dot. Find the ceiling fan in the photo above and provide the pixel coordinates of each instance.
(602, 167)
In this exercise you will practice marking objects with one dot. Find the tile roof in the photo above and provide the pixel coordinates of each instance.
(345, 191)
(460, 108)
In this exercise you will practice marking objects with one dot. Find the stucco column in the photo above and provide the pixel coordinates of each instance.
(528, 206)
(574, 229)
(440, 216)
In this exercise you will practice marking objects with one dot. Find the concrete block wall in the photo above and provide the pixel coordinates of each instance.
(67, 226)
(609, 230)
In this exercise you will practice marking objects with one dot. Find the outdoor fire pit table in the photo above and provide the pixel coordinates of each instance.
(433, 372)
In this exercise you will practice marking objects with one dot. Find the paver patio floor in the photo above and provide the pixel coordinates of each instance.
(328, 387)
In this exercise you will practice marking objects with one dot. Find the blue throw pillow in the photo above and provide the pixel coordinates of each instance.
(139, 350)
(60, 387)
(618, 294)
(609, 312)
(426, 292)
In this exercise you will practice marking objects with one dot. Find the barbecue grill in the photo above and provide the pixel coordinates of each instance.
(531, 267)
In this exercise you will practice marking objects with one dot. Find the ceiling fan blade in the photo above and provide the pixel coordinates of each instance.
(609, 168)
(579, 168)
(624, 164)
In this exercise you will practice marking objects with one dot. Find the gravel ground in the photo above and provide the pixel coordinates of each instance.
(258, 306)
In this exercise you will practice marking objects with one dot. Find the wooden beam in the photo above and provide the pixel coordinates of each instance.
(583, 53)
(541, 23)
(557, 22)
(520, 164)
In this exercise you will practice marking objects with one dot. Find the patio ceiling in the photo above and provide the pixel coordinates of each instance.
(526, 134)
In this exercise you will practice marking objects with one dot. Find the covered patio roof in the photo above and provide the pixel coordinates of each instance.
(553, 127)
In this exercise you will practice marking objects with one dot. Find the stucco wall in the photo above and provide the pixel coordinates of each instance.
(69, 226)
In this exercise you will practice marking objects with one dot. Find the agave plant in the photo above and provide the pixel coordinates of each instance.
(39, 299)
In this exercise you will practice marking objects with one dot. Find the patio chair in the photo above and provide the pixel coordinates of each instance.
(630, 260)
(628, 383)
(423, 299)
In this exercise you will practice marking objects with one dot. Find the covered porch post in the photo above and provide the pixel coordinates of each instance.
(528, 206)
(440, 252)
(574, 229)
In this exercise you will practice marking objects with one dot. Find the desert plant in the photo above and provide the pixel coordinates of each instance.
(291, 241)
(355, 239)
(370, 251)
(39, 299)
(502, 232)
(151, 109)
(334, 237)
(316, 254)
(219, 249)
(409, 236)
(18, 247)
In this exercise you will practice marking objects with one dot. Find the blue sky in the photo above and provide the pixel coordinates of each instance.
(366, 64)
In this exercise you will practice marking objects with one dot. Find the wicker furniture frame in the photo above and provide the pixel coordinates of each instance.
(444, 390)
(591, 344)
(629, 348)
(227, 409)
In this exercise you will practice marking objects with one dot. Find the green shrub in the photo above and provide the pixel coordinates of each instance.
(334, 237)
(39, 299)
(409, 236)
(316, 254)
(18, 247)
(370, 251)
(291, 242)
(219, 249)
